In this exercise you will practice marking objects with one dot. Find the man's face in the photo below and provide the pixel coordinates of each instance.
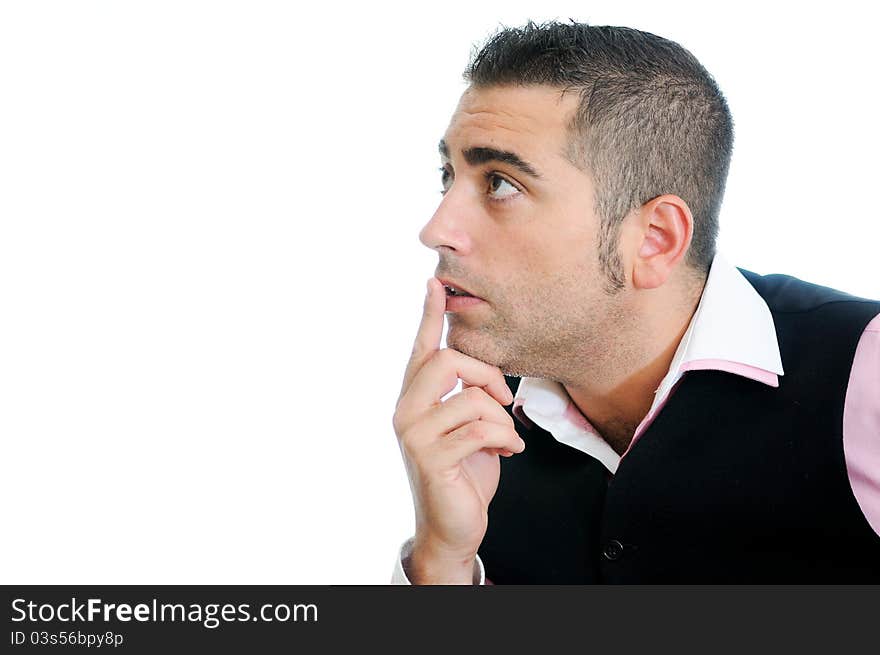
(524, 243)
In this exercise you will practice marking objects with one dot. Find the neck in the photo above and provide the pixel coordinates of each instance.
(618, 391)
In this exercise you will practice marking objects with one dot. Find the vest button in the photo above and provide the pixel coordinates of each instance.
(613, 550)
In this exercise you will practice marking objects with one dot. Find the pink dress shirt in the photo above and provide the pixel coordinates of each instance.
(732, 330)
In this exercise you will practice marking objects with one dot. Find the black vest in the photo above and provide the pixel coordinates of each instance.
(733, 482)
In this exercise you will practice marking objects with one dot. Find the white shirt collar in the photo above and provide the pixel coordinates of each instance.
(731, 330)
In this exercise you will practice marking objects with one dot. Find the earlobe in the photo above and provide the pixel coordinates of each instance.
(647, 276)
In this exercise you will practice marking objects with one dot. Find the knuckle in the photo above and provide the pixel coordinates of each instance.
(445, 356)
(407, 446)
(397, 424)
(418, 347)
(473, 393)
(477, 431)
(490, 405)
(400, 421)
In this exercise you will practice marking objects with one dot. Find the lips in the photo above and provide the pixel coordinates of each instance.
(454, 288)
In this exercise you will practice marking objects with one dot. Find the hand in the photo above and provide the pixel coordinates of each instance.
(450, 448)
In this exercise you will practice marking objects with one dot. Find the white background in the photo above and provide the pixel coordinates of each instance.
(210, 276)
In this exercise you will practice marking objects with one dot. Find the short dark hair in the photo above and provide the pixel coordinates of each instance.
(651, 120)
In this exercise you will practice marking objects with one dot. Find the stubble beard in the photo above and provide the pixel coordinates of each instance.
(557, 346)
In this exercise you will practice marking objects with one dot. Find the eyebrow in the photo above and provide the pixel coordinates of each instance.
(481, 155)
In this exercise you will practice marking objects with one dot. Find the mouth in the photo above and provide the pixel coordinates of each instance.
(455, 290)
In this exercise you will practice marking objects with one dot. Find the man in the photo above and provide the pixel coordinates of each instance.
(633, 408)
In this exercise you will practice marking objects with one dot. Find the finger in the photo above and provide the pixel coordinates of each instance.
(474, 400)
(430, 331)
(464, 407)
(469, 405)
(440, 374)
(466, 385)
(474, 436)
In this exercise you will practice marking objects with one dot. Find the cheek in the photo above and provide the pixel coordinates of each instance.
(561, 267)
(559, 285)
(545, 267)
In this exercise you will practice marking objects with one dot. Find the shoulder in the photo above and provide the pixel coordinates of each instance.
(788, 294)
(818, 327)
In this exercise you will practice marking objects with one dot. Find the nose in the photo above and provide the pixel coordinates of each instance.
(447, 227)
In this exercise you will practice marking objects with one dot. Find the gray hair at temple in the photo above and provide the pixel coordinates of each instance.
(651, 120)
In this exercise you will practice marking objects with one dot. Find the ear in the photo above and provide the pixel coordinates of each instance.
(664, 230)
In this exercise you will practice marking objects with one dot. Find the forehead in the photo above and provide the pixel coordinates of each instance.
(533, 118)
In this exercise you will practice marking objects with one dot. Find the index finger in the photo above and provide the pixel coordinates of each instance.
(429, 333)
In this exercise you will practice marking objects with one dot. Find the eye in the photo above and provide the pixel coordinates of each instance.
(444, 178)
(497, 182)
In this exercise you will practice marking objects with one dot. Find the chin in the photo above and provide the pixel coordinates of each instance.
(474, 344)
(513, 361)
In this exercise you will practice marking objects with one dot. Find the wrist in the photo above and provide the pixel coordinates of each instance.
(428, 564)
